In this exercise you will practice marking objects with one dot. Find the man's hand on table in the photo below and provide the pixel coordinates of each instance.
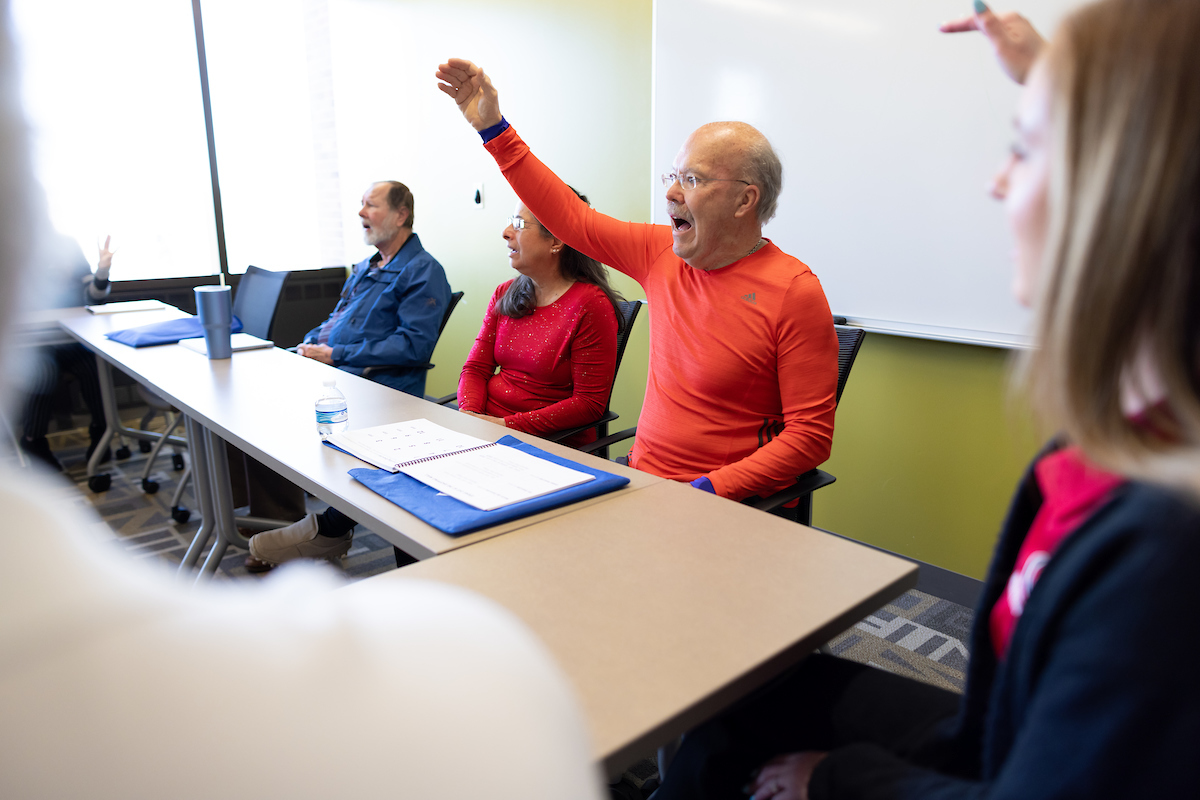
(317, 352)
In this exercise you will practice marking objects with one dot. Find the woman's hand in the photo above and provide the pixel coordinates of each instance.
(494, 420)
(1016, 42)
(472, 90)
(786, 777)
(104, 263)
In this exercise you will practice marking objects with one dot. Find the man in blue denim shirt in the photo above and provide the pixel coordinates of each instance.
(391, 305)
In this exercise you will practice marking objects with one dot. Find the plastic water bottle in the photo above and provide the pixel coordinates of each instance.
(332, 416)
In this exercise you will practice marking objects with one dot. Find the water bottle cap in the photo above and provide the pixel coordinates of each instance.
(329, 382)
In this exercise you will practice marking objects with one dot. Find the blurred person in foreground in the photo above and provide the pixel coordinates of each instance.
(116, 678)
(1081, 678)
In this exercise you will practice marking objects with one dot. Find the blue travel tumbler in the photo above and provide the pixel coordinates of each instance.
(216, 315)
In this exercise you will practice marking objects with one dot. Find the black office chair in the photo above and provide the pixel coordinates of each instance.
(849, 342)
(629, 312)
(255, 304)
(454, 298)
(257, 300)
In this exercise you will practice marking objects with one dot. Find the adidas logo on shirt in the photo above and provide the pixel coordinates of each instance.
(749, 298)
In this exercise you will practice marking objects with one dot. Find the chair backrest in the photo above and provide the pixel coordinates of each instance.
(454, 298)
(629, 312)
(849, 340)
(257, 300)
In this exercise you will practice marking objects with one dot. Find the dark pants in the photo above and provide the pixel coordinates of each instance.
(50, 362)
(825, 703)
(265, 491)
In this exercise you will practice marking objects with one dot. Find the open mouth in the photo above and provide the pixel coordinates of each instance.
(680, 225)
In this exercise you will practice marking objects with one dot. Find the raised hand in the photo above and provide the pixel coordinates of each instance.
(106, 256)
(1016, 42)
(472, 90)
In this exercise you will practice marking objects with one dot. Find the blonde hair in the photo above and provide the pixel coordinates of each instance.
(1120, 290)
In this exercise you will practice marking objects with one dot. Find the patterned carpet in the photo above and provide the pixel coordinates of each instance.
(143, 524)
(917, 635)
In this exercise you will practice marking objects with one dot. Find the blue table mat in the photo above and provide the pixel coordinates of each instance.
(168, 332)
(456, 517)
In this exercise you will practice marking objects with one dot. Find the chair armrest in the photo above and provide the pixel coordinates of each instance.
(444, 401)
(619, 436)
(366, 373)
(567, 434)
(806, 484)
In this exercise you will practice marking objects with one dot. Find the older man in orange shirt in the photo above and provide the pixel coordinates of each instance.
(743, 356)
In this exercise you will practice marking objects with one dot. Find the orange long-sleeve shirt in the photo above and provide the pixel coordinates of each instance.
(743, 359)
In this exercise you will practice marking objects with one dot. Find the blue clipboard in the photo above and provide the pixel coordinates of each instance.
(168, 332)
(456, 517)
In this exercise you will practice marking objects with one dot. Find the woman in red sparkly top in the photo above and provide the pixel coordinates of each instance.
(551, 331)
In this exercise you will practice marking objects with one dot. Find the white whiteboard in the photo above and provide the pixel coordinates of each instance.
(889, 132)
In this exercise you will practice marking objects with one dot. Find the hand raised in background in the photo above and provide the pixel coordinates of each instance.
(1015, 41)
(104, 263)
(472, 90)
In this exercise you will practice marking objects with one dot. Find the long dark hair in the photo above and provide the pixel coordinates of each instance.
(521, 298)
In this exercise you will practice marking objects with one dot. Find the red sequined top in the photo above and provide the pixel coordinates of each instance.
(556, 366)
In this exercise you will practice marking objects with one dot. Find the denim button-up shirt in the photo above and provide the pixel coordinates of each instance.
(390, 317)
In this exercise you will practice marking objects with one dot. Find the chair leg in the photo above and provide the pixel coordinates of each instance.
(173, 421)
(804, 510)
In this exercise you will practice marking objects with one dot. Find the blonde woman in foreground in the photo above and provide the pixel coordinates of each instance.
(1082, 680)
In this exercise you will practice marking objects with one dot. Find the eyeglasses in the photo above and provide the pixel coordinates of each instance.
(520, 223)
(689, 182)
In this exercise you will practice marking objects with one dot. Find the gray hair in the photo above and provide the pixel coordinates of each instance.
(766, 172)
(400, 198)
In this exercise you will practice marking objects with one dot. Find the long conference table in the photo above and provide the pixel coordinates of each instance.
(663, 604)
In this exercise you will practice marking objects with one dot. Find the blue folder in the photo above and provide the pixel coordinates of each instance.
(168, 332)
(456, 517)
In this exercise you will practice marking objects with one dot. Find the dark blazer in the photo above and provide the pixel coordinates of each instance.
(1099, 696)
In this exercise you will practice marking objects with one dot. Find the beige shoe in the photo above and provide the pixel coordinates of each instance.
(298, 540)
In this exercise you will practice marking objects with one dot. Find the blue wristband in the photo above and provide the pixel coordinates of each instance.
(487, 134)
(704, 483)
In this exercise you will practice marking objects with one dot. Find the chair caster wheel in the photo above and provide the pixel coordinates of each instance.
(177, 461)
(123, 452)
(149, 486)
(144, 446)
(180, 514)
(99, 483)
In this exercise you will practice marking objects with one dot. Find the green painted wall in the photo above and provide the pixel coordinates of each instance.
(927, 451)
